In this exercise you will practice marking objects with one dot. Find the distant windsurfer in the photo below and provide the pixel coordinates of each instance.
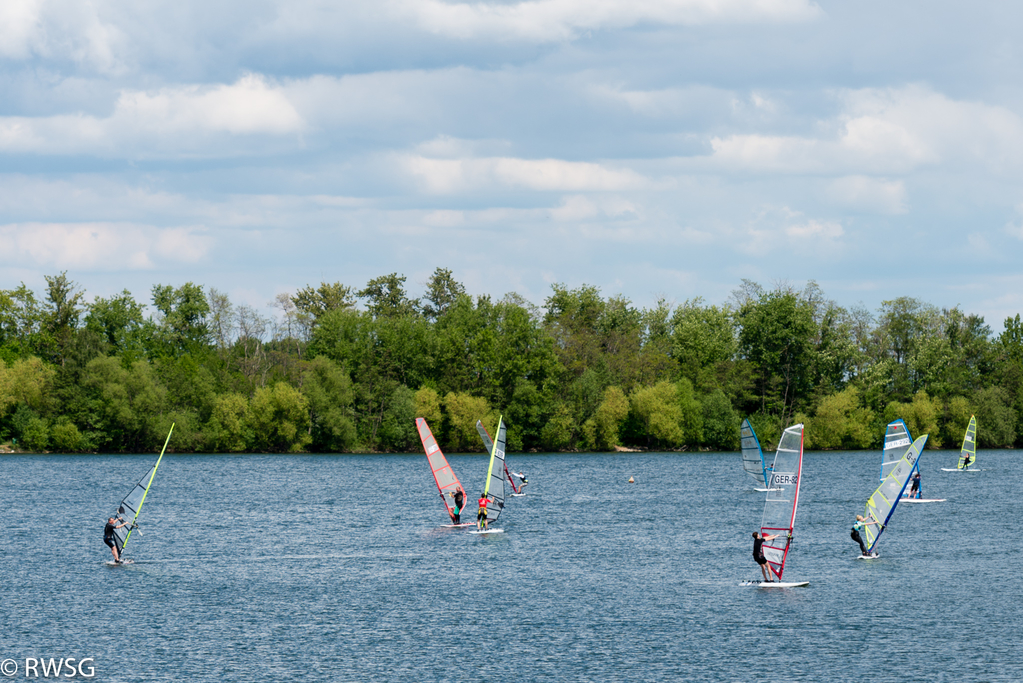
(914, 490)
(481, 514)
(459, 502)
(758, 555)
(109, 537)
(859, 525)
(522, 480)
(966, 461)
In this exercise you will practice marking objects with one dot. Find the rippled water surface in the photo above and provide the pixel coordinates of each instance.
(335, 568)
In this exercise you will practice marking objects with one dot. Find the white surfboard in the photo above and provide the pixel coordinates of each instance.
(872, 556)
(776, 584)
(956, 469)
(457, 526)
(487, 531)
(922, 500)
(517, 495)
(766, 490)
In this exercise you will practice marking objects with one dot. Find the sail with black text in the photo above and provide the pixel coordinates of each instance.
(131, 505)
(783, 498)
(488, 444)
(897, 441)
(447, 483)
(494, 491)
(882, 503)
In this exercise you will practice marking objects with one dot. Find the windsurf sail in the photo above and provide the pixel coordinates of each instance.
(447, 482)
(132, 504)
(494, 491)
(752, 455)
(969, 445)
(488, 444)
(885, 499)
(897, 441)
(782, 498)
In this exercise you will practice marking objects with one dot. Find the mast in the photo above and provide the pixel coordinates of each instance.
(443, 475)
(969, 443)
(132, 503)
(783, 498)
(885, 499)
(752, 455)
(897, 441)
(494, 491)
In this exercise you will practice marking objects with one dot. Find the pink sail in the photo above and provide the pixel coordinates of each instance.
(447, 482)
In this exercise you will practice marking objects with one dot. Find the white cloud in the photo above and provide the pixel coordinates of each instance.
(102, 246)
(449, 176)
(174, 121)
(560, 20)
(876, 195)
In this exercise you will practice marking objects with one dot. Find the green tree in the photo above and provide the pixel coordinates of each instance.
(668, 414)
(385, 297)
(442, 291)
(602, 430)
(228, 429)
(329, 392)
(720, 422)
(841, 422)
(462, 412)
(279, 419)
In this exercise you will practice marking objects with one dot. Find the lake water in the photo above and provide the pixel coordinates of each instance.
(334, 568)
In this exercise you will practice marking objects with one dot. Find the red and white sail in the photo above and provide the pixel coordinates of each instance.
(447, 482)
(783, 497)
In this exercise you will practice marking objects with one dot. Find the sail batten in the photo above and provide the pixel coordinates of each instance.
(783, 498)
(443, 475)
(752, 455)
(969, 444)
(882, 503)
(132, 504)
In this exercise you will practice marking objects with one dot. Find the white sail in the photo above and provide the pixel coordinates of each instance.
(752, 454)
(885, 499)
(494, 491)
(131, 505)
(897, 441)
(783, 498)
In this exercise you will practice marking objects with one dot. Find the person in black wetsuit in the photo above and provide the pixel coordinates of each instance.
(758, 555)
(108, 535)
(859, 525)
(914, 490)
(966, 461)
(459, 501)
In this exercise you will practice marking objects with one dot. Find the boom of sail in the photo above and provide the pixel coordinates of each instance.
(783, 498)
(133, 502)
(447, 482)
(494, 491)
(885, 499)
(969, 445)
(897, 441)
(752, 455)
(488, 444)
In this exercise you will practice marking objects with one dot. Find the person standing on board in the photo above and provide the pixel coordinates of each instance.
(859, 525)
(522, 480)
(481, 515)
(108, 535)
(758, 555)
(459, 501)
(966, 461)
(914, 490)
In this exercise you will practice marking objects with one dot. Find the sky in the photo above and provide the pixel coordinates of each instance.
(651, 148)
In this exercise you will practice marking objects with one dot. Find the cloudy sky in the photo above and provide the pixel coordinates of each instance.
(653, 148)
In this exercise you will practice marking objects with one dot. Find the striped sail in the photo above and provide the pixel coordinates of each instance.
(896, 442)
(885, 499)
(494, 491)
(447, 482)
(488, 445)
(131, 505)
(969, 444)
(783, 497)
(752, 455)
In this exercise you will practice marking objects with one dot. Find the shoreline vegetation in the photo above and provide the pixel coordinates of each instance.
(335, 369)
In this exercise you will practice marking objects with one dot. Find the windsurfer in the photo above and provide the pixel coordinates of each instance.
(859, 525)
(914, 490)
(966, 461)
(758, 555)
(522, 480)
(108, 535)
(481, 514)
(459, 500)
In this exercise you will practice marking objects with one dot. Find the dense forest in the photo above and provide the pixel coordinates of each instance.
(332, 368)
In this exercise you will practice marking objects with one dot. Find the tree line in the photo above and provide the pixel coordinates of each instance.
(333, 368)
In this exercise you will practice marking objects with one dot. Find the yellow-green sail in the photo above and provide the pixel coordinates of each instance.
(494, 491)
(969, 449)
(132, 503)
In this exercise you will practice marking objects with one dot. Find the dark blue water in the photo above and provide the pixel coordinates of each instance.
(334, 568)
